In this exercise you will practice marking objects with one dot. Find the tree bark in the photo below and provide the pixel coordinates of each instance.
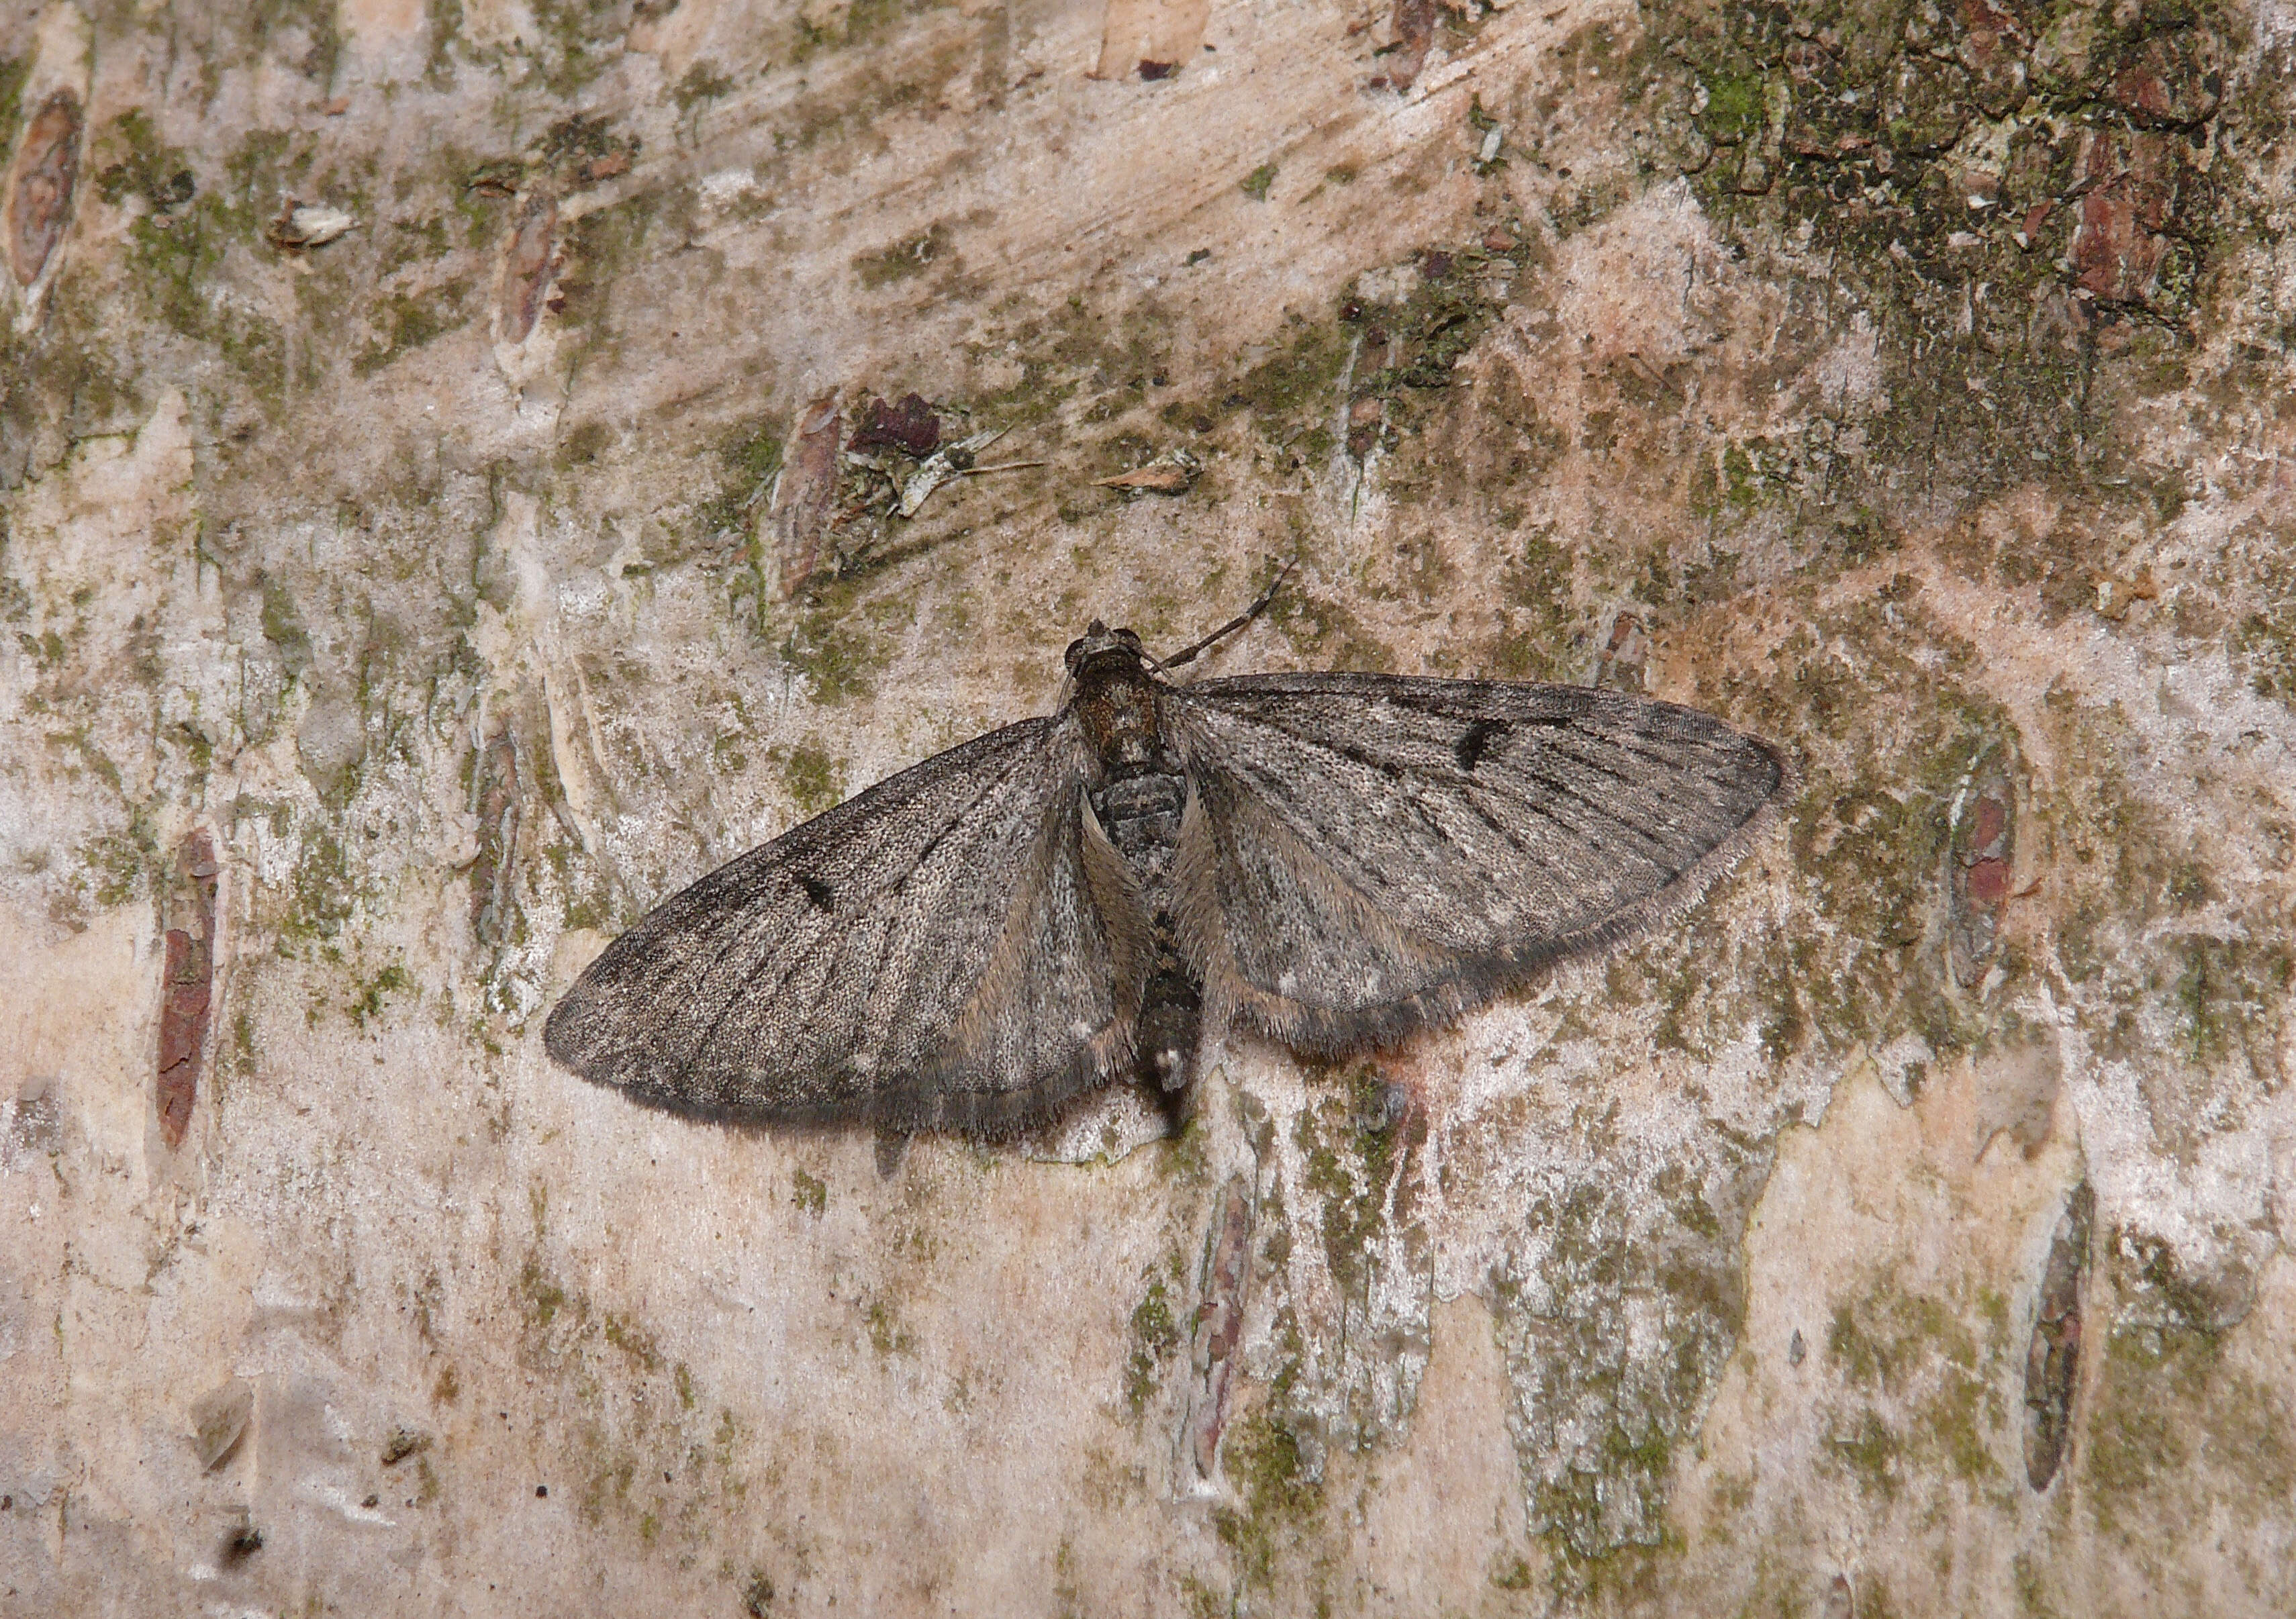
(469, 469)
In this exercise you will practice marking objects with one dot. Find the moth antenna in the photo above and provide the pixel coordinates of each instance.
(1243, 620)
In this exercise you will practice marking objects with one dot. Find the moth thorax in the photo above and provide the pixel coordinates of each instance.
(1117, 710)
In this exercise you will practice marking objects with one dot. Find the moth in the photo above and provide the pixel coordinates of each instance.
(1082, 899)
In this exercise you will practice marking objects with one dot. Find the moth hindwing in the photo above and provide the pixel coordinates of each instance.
(1068, 902)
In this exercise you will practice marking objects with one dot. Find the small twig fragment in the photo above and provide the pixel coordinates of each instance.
(1174, 473)
(946, 463)
(1002, 466)
(309, 224)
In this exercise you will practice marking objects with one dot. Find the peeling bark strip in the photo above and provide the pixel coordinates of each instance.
(1993, 52)
(528, 265)
(1413, 24)
(497, 806)
(1979, 892)
(1219, 1324)
(2176, 78)
(2138, 182)
(1367, 415)
(2053, 1361)
(804, 494)
(40, 192)
(2120, 241)
(188, 1000)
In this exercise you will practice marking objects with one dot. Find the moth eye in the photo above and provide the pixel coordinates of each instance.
(1074, 653)
(1127, 638)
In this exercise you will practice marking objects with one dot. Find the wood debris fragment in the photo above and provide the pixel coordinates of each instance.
(943, 466)
(1174, 473)
(187, 1002)
(310, 225)
(804, 501)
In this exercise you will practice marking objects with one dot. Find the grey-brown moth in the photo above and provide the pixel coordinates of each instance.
(1077, 900)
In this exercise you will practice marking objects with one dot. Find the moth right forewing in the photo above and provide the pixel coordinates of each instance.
(1492, 828)
(1484, 812)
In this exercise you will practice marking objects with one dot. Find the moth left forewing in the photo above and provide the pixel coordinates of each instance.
(1373, 853)
(814, 978)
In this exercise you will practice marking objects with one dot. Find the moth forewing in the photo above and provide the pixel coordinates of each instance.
(807, 980)
(1726, 818)
(1372, 853)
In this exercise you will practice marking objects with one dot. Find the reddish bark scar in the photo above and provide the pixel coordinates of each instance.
(188, 1002)
(46, 169)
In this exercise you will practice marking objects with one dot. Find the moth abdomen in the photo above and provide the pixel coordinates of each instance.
(1142, 812)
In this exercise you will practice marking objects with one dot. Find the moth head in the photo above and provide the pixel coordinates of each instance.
(1098, 639)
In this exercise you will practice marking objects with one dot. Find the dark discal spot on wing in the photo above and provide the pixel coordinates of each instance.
(1475, 740)
(820, 893)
